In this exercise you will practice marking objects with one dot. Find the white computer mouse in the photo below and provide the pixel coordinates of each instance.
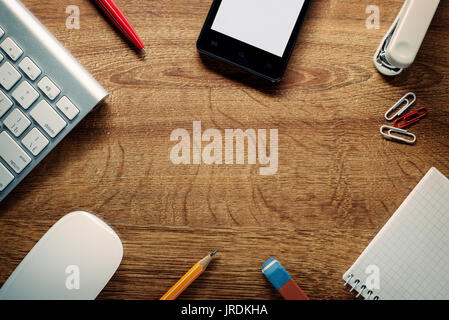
(74, 260)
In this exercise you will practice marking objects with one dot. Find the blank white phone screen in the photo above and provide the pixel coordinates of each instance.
(264, 24)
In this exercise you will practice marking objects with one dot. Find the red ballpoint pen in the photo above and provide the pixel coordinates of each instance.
(114, 14)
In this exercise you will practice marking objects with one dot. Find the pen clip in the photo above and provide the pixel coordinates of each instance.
(408, 103)
(411, 118)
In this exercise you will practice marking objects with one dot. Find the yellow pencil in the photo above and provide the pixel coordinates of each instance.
(189, 277)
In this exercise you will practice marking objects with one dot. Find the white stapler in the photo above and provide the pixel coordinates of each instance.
(401, 44)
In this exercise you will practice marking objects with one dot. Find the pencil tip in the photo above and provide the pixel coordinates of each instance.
(143, 51)
(214, 253)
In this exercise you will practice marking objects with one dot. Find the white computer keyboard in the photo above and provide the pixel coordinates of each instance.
(44, 93)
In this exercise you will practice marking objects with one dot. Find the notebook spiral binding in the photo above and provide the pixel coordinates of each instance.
(355, 283)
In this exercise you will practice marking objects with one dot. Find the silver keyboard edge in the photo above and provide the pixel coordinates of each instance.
(56, 62)
(54, 47)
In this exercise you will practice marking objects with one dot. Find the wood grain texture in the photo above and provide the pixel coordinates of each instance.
(338, 180)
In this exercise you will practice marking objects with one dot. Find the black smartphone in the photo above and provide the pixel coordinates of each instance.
(255, 35)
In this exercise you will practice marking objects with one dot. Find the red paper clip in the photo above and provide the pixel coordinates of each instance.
(411, 118)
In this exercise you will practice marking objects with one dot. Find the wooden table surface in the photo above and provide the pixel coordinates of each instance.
(338, 181)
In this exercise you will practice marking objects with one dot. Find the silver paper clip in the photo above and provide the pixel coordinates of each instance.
(389, 133)
(408, 103)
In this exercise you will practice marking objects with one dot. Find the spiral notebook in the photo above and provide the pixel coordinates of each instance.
(409, 257)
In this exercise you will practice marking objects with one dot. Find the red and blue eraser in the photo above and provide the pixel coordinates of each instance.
(282, 281)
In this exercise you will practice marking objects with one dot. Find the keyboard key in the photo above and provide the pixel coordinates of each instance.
(5, 103)
(35, 141)
(13, 155)
(48, 118)
(30, 68)
(49, 88)
(1, 57)
(16, 122)
(67, 107)
(5, 177)
(11, 48)
(1, 32)
(8, 76)
(25, 94)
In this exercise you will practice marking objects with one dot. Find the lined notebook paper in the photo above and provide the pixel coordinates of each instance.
(410, 255)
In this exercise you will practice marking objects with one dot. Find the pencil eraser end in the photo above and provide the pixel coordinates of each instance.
(275, 273)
